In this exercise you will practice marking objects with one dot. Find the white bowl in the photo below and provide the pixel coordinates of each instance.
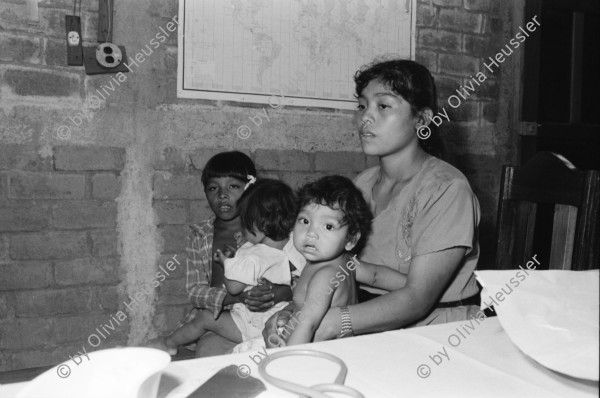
(128, 372)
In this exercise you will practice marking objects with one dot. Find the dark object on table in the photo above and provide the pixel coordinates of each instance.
(228, 383)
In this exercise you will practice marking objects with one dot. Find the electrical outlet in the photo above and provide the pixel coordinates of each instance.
(93, 67)
(74, 45)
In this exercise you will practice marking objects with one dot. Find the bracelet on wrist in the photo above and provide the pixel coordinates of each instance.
(346, 330)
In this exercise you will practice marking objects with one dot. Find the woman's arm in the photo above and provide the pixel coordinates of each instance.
(428, 278)
(379, 276)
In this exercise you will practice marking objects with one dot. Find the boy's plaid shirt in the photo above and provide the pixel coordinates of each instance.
(199, 271)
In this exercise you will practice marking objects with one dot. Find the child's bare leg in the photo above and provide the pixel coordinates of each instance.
(212, 344)
(224, 326)
(203, 322)
(185, 334)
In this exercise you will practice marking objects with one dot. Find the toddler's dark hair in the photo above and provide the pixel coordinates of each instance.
(414, 83)
(340, 193)
(233, 164)
(270, 207)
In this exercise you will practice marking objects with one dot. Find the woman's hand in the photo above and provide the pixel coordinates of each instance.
(260, 297)
(270, 332)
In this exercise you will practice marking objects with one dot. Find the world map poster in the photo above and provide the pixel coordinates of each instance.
(305, 51)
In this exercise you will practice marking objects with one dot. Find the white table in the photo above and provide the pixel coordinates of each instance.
(484, 363)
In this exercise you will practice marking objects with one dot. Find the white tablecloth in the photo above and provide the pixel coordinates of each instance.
(478, 360)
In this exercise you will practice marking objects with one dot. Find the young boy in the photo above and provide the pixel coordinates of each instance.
(332, 219)
(224, 178)
(267, 211)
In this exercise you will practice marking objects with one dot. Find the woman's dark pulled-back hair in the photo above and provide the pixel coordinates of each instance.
(414, 83)
(340, 193)
(228, 164)
(268, 206)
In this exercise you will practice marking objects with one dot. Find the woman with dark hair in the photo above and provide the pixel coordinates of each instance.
(425, 213)
(415, 85)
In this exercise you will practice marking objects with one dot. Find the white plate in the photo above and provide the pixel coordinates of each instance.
(128, 372)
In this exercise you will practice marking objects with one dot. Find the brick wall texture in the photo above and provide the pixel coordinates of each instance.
(59, 267)
(75, 171)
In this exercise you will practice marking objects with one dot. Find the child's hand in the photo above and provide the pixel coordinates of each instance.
(260, 297)
(229, 251)
(239, 239)
(220, 256)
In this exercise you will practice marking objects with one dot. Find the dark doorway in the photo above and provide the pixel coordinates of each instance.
(561, 82)
(561, 106)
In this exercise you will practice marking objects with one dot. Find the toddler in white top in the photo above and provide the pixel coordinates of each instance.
(267, 213)
(251, 263)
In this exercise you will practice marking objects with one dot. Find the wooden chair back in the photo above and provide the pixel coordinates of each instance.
(549, 178)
